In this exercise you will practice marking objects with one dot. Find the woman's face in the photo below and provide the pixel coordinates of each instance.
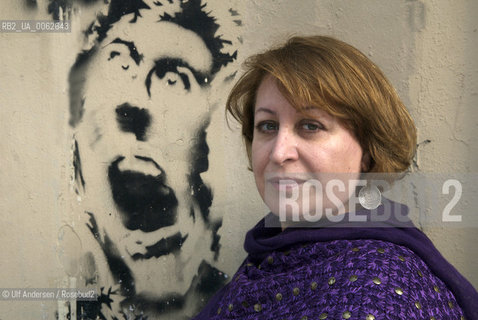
(290, 148)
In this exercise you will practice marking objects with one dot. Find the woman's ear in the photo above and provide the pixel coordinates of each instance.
(366, 161)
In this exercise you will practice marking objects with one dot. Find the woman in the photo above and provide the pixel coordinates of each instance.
(317, 108)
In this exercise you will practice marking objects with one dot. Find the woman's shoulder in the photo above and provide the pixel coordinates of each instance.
(357, 278)
(340, 279)
(380, 279)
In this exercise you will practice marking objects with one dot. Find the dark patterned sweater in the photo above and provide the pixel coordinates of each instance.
(387, 270)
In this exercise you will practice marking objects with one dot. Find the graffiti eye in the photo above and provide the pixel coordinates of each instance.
(113, 54)
(177, 78)
(116, 55)
(172, 73)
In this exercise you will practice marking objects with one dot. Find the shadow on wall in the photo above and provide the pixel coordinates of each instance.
(139, 112)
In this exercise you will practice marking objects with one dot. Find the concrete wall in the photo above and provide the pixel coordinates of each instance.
(66, 213)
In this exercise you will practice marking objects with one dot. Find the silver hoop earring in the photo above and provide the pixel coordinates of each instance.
(370, 197)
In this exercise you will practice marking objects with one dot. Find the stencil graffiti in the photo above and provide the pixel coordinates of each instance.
(140, 109)
(31, 4)
(62, 8)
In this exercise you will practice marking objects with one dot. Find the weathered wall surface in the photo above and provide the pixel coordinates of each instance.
(76, 207)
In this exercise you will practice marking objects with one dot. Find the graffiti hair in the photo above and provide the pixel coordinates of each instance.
(206, 27)
(333, 76)
(191, 16)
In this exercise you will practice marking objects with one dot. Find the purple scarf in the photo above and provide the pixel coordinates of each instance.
(261, 241)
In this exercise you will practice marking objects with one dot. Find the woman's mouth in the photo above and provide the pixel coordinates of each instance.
(285, 183)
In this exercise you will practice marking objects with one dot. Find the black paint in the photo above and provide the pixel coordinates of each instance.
(142, 303)
(116, 10)
(233, 12)
(54, 7)
(113, 54)
(89, 266)
(215, 245)
(230, 77)
(133, 52)
(165, 65)
(76, 80)
(86, 310)
(120, 271)
(193, 17)
(31, 4)
(145, 202)
(202, 193)
(205, 283)
(77, 167)
(208, 281)
(65, 5)
(133, 119)
(162, 247)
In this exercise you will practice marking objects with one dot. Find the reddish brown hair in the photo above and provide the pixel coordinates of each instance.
(332, 75)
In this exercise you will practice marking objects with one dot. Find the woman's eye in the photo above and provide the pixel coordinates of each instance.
(311, 126)
(267, 126)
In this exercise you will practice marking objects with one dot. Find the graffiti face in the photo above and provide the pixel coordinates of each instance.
(142, 145)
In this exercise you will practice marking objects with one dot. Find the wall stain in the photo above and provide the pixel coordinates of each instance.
(31, 4)
(416, 15)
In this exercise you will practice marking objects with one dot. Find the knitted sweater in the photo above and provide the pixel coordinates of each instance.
(391, 271)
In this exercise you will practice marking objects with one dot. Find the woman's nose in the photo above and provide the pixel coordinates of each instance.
(285, 147)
